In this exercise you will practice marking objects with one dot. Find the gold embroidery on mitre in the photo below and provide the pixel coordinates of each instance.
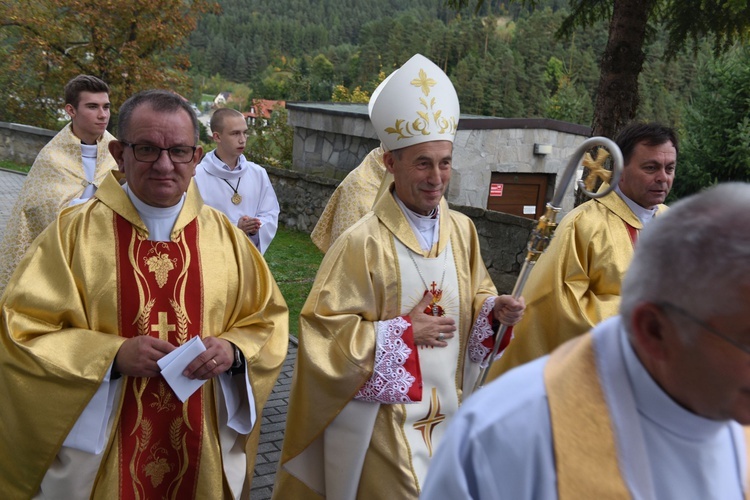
(424, 82)
(405, 129)
(160, 265)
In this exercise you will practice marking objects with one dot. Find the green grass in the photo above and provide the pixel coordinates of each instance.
(11, 165)
(294, 260)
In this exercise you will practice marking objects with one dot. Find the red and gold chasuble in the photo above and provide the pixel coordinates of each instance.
(159, 437)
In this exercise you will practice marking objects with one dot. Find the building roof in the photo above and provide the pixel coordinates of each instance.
(467, 121)
(264, 105)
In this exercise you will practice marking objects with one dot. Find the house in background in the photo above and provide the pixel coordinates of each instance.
(261, 109)
(221, 99)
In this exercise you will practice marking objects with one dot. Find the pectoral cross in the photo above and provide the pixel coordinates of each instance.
(163, 327)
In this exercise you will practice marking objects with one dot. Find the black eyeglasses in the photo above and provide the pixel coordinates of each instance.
(668, 305)
(149, 153)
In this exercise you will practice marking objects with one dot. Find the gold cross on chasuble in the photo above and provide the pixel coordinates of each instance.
(163, 327)
(428, 423)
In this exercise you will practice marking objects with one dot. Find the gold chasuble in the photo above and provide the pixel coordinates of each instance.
(576, 282)
(56, 178)
(339, 447)
(92, 280)
(352, 199)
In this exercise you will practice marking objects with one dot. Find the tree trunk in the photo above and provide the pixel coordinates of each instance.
(622, 62)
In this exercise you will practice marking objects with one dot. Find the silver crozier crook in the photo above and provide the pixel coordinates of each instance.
(542, 234)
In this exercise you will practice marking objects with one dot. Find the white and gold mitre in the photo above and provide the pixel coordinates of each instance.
(416, 103)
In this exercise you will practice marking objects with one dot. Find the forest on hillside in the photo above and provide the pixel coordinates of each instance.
(505, 61)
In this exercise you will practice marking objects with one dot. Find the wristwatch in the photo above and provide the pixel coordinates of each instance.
(239, 361)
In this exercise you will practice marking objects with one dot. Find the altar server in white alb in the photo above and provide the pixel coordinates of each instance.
(237, 187)
(650, 404)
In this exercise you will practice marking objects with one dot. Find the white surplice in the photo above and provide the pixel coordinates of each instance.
(217, 184)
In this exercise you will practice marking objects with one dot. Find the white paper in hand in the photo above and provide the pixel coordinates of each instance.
(173, 364)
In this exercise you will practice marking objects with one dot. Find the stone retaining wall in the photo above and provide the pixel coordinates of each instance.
(302, 197)
(21, 143)
(502, 237)
(328, 141)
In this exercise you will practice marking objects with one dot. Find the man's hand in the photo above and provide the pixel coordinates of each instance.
(250, 225)
(508, 310)
(428, 329)
(215, 360)
(137, 356)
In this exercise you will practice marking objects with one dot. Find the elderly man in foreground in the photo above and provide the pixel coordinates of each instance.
(108, 290)
(650, 404)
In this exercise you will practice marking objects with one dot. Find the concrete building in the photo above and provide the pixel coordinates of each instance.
(509, 165)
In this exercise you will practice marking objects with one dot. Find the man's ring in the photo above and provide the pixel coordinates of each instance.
(441, 337)
(215, 363)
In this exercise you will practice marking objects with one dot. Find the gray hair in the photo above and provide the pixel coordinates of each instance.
(696, 255)
(162, 101)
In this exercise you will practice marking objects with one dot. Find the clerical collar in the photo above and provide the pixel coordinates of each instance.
(226, 166)
(88, 158)
(426, 227)
(656, 405)
(158, 220)
(644, 214)
(89, 150)
(214, 166)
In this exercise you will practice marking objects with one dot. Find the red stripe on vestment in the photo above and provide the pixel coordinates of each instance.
(159, 437)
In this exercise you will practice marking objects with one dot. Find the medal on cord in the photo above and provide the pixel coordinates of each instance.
(236, 197)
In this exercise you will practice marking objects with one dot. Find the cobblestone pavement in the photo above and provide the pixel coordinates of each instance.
(272, 429)
(274, 414)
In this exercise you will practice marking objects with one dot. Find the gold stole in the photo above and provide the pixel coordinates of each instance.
(585, 453)
(159, 437)
(582, 432)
